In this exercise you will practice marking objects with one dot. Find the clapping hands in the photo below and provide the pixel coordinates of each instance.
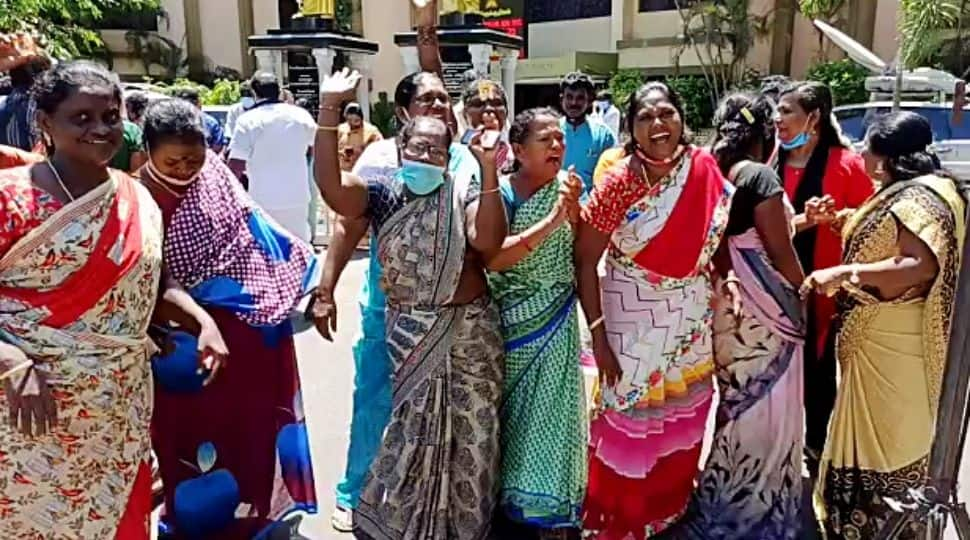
(569, 193)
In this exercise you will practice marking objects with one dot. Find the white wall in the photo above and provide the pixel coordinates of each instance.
(885, 36)
(552, 39)
(266, 15)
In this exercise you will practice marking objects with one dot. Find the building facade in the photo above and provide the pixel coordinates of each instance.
(596, 36)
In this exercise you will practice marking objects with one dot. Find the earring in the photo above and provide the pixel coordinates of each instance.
(880, 170)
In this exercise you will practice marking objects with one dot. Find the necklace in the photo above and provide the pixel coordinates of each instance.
(57, 176)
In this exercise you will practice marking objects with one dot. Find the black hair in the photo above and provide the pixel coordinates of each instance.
(520, 130)
(813, 96)
(470, 91)
(422, 122)
(353, 108)
(407, 88)
(470, 75)
(266, 85)
(773, 85)
(636, 102)
(136, 103)
(173, 120)
(188, 93)
(578, 80)
(742, 121)
(903, 138)
(25, 76)
(59, 83)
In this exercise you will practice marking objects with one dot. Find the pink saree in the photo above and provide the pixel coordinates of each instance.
(77, 289)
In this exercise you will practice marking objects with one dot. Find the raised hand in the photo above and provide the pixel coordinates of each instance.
(425, 12)
(569, 194)
(16, 50)
(339, 87)
(484, 146)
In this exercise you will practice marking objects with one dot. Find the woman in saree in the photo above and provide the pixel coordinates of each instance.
(80, 267)
(232, 448)
(750, 487)
(895, 290)
(824, 180)
(532, 279)
(435, 475)
(661, 211)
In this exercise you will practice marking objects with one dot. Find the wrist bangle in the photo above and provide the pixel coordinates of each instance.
(521, 241)
(332, 129)
(19, 367)
(487, 191)
(597, 323)
(331, 108)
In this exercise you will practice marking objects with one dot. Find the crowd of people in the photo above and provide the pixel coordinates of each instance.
(154, 269)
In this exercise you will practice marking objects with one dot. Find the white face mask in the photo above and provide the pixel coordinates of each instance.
(170, 180)
(248, 102)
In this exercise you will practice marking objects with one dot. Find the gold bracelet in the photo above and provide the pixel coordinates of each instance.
(331, 108)
(597, 323)
(487, 191)
(332, 129)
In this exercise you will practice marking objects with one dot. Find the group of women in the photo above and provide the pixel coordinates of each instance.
(689, 264)
(112, 285)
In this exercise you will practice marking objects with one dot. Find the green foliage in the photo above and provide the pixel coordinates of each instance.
(623, 83)
(66, 27)
(698, 100)
(827, 10)
(223, 92)
(383, 117)
(846, 78)
(927, 29)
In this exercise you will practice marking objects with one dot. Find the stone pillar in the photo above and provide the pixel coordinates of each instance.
(324, 59)
(362, 62)
(409, 55)
(481, 58)
(509, 60)
(270, 61)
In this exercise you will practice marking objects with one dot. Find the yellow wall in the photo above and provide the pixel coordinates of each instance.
(220, 32)
(266, 15)
(382, 19)
(885, 37)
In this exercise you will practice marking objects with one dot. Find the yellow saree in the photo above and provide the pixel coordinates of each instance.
(891, 355)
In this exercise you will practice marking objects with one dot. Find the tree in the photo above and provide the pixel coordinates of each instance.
(829, 11)
(67, 28)
(721, 34)
(932, 33)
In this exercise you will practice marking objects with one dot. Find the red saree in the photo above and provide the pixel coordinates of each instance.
(77, 289)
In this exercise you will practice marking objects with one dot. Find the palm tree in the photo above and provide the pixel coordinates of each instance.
(932, 28)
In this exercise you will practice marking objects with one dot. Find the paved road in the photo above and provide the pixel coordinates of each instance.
(327, 371)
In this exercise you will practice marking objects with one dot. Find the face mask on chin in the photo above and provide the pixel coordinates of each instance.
(170, 180)
(798, 141)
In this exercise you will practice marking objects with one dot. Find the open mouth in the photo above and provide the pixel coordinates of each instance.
(660, 138)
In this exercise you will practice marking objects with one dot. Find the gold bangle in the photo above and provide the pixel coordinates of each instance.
(332, 129)
(487, 191)
(597, 323)
(331, 108)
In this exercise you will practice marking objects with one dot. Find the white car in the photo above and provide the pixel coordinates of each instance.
(951, 141)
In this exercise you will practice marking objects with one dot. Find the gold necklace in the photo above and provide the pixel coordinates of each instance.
(57, 176)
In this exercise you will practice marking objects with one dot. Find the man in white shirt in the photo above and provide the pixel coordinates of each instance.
(606, 112)
(270, 146)
(245, 103)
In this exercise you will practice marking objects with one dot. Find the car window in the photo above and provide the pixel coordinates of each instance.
(961, 130)
(855, 122)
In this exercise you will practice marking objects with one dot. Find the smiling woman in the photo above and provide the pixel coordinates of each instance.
(74, 327)
(661, 212)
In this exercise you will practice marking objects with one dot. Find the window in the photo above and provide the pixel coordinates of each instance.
(562, 10)
(663, 5)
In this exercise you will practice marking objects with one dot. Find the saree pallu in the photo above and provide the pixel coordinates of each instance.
(76, 295)
(544, 429)
(645, 441)
(234, 456)
(892, 355)
(750, 487)
(434, 477)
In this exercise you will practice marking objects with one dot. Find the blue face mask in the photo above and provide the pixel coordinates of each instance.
(421, 178)
(798, 141)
